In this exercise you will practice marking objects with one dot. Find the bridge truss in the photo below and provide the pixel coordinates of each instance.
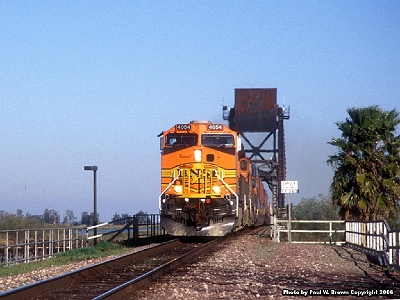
(260, 122)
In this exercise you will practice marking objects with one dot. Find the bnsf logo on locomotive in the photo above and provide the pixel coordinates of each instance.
(215, 127)
(183, 127)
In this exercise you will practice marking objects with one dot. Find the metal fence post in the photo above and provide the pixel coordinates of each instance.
(7, 248)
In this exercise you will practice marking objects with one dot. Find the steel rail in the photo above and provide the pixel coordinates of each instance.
(36, 289)
(145, 279)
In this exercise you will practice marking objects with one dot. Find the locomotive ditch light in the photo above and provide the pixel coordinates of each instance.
(203, 200)
(178, 189)
(187, 200)
(216, 189)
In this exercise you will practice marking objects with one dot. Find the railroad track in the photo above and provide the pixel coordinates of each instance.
(114, 278)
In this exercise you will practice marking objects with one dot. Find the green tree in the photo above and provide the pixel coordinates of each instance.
(143, 217)
(318, 208)
(69, 217)
(315, 208)
(86, 218)
(12, 221)
(51, 216)
(116, 218)
(366, 182)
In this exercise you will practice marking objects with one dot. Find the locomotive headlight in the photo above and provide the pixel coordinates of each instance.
(178, 189)
(216, 189)
(197, 155)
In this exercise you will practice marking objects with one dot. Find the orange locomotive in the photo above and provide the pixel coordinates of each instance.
(208, 186)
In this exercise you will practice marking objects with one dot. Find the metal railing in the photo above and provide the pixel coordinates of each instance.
(309, 231)
(24, 245)
(129, 228)
(375, 238)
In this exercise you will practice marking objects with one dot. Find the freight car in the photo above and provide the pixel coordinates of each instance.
(208, 186)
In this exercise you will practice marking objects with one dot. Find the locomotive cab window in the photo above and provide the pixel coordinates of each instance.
(184, 140)
(217, 140)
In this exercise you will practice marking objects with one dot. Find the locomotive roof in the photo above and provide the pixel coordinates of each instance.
(200, 122)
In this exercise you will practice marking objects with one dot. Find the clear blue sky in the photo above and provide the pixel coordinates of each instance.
(94, 82)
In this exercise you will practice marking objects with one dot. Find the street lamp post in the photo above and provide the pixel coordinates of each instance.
(94, 169)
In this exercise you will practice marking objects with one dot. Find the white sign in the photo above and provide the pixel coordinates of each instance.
(289, 187)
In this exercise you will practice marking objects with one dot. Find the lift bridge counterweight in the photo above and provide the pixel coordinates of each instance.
(256, 111)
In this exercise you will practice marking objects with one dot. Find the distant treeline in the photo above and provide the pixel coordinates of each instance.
(51, 217)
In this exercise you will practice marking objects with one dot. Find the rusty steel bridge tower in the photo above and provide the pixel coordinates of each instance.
(259, 120)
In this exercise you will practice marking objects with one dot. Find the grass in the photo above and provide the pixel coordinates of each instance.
(101, 250)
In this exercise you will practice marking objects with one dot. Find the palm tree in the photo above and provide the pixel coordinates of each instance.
(366, 183)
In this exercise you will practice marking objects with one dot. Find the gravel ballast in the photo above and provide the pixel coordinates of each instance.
(254, 267)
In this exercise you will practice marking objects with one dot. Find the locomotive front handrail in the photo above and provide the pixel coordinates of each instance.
(169, 185)
(229, 189)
